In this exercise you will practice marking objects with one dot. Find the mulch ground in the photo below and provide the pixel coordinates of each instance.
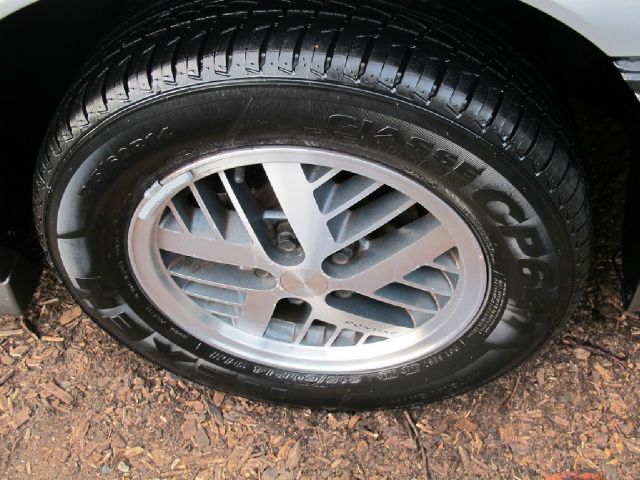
(74, 404)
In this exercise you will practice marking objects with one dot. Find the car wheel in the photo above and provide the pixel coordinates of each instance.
(323, 205)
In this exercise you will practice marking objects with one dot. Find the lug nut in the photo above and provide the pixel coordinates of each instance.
(261, 273)
(343, 256)
(344, 294)
(284, 227)
(286, 240)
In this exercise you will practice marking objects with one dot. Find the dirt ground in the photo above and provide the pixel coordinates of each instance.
(74, 404)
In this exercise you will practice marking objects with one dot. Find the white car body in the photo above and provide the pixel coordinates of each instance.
(613, 26)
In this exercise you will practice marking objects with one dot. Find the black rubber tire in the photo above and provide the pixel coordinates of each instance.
(443, 104)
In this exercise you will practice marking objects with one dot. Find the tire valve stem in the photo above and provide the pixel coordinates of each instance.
(239, 175)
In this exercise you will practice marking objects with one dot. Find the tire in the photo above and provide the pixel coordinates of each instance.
(411, 93)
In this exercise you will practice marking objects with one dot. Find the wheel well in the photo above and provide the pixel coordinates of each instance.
(51, 39)
(44, 46)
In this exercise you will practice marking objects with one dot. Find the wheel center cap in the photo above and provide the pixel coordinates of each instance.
(304, 283)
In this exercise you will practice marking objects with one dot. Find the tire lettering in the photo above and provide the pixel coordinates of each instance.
(527, 238)
(500, 206)
(112, 162)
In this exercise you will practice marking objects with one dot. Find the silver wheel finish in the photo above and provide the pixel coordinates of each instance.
(307, 260)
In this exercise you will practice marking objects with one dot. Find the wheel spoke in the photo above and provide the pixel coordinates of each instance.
(247, 210)
(335, 198)
(407, 298)
(350, 226)
(408, 252)
(213, 294)
(209, 204)
(430, 279)
(296, 198)
(304, 329)
(213, 251)
(178, 217)
(257, 312)
(219, 276)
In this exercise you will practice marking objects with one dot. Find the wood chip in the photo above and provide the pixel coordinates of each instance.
(576, 476)
(80, 430)
(466, 425)
(214, 412)
(117, 441)
(21, 417)
(18, 351)
(293, 458)
(201, 438)
(160, 457)
(617, 405)
(133, 452)
(50, 301)
(284, 450)
(6, 377)
(47, 338)
(582, 353)
(34, 361)
(11, 333)
(352, 421)
(236, 458)
(70, 315)
(466, 461)
(362, 447)
(218, 398)
(188, 429)
(58, 392)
